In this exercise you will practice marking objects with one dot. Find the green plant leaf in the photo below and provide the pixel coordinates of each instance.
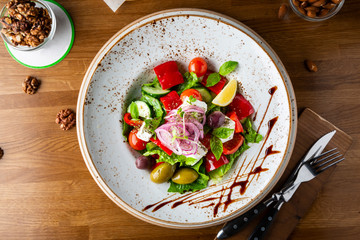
(222, 132)
(212, 79)
(216, 146)
(228, 67)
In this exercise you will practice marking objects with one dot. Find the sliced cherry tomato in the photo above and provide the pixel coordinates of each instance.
(233, 145)
(211, 163)
(206, 141)
(217, 87)
(135, 142)
(162, 146)
(132, 122)
(168, 74)
(238, 127)
(191, 92)
(171, 101)
(198, 66)
(241, 106)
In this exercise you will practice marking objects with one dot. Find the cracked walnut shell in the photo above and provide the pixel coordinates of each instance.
(66, 118)
(31, 85)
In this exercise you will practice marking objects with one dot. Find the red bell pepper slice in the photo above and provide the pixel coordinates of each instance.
(171, 101)
(132, 122)
(211, 163)
(238, 127)
(162, 146)
(217, 87)
(168, 74)
(241, 106)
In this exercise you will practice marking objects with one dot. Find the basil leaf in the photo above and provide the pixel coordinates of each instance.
(190, 81)
(251, 136)
(212, 79)
(134, 111)
(227, 67)
(126, 130)
(222, 132)
(216, 147)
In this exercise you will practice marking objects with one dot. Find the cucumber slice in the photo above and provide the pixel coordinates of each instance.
(143, 108)
(155, 91)
(205, 94)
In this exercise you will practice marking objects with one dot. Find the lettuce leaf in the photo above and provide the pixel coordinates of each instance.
(200, 183)
(172, 159)
(218, 173)
(190, 81)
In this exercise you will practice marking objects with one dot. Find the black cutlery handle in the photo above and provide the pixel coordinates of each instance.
(239, 223)
(265, 224)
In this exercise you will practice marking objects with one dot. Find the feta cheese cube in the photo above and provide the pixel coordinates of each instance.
(143, 133)
(201, 152)
(197, 103)
(228, 123)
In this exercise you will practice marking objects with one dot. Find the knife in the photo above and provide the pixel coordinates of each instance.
(240, 222)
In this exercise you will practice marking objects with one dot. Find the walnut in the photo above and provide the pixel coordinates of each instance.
(26, 24)
(66, 119)
(31, 85)
(1, 153)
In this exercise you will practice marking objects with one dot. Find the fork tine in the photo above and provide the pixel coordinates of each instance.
(321, 155)
(317, 163)
(330, 165)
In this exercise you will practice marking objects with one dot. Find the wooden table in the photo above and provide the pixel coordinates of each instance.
(46, 189)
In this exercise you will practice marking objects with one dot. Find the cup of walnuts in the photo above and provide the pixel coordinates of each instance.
(27, 24)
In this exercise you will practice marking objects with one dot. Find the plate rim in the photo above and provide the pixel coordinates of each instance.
(181, 12)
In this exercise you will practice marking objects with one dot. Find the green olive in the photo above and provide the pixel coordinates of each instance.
(162, 173)
(185, 176)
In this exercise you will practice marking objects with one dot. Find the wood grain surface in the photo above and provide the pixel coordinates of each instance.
(46, 191)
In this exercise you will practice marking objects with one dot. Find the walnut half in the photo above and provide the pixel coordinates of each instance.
(66, 118)
(31, 85)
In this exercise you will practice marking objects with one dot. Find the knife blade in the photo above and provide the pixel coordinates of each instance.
(235, 225)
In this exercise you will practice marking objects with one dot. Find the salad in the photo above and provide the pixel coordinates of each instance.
(189, 127)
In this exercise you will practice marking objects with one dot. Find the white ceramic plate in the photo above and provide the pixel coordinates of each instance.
(114, 79)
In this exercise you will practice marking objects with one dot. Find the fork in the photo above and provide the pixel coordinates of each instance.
(307, 172)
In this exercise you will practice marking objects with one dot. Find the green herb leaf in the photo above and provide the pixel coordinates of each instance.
(172, 159)
(216, 146)
(134, 111)
(228, 67)
(250, 135)
(154, 83)
(190, 81)
(126, 130)
(192, 99)
(212, 79)
(222, 132)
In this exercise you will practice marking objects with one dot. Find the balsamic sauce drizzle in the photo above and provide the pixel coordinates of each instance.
(226, 191)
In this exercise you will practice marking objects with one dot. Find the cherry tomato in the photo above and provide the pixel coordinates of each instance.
(238, 127)
(198, 66)
(135, 142)
(211, 163)
(233, 145)
(190, 92)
